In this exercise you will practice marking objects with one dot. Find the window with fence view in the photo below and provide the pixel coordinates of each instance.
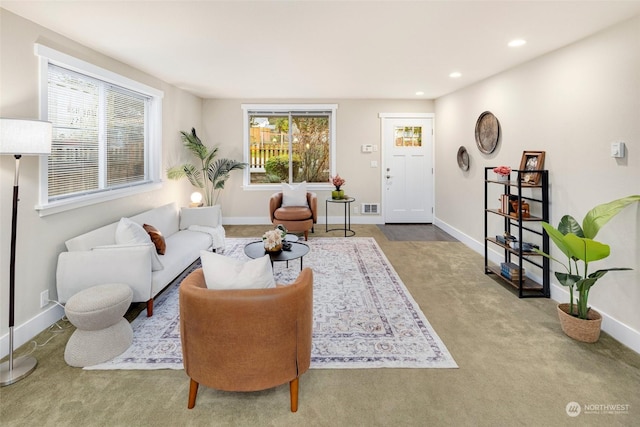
(292, 146)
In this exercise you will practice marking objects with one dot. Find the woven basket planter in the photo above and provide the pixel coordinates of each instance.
(584, 330)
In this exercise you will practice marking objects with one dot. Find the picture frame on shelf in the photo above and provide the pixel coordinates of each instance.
(531, 161)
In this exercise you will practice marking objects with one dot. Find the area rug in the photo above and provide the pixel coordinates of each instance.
(364, 316)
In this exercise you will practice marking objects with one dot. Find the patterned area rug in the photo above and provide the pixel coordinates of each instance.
(364, 317)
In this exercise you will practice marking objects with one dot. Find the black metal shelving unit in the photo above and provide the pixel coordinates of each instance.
(515, 225)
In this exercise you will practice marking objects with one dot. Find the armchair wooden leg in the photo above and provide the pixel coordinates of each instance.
(193, 391)
(293, 392)
(150, 308)
(306, 235)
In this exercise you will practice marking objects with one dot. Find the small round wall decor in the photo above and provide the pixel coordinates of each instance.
(487, 132)
(463, 158)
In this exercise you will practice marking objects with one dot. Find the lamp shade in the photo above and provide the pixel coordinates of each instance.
(25, 137)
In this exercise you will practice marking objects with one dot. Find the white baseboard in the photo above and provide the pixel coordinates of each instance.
(333, 220)
(618, 330)
(24, 333)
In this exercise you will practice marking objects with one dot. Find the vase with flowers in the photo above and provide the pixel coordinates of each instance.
(337, 182)
(503, 172)
(272, 240)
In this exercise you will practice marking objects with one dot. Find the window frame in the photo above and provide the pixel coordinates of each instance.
(286, 109)
(153, 162)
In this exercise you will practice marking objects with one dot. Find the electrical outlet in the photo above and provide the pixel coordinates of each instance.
(44, 298)
(355, 210)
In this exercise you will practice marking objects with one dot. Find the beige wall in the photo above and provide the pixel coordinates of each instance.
(572, 104)
(357, 123)
(41, 239)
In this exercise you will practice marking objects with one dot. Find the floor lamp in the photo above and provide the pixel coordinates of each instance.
(19, 138)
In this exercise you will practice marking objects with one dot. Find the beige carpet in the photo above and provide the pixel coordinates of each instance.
(516, 367)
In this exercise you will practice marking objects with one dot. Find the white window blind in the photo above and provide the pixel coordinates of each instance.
(99, 135)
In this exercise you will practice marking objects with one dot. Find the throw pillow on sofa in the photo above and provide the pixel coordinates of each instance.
(222, 272)
(156, 237)
(131, 233)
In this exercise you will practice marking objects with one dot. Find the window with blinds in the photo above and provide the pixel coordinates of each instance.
(99, 135)
(107, 134)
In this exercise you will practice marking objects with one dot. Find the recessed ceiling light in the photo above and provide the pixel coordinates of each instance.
(517, 43)
(455, 75)
(419, 93)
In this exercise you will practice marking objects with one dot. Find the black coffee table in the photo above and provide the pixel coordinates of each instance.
(298, 250)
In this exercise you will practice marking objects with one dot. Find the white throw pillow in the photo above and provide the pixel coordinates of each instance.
(156, 264)
(128, 232)
(294, 195)
(222, 272)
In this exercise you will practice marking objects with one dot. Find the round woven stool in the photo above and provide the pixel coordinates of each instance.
(102, 333)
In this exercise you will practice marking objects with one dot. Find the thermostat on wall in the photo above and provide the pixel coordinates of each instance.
(367, 148)
(617, 149)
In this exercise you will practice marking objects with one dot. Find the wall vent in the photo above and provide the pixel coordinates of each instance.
(370, 208)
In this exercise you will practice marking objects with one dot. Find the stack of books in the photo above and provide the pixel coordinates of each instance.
(511, 271)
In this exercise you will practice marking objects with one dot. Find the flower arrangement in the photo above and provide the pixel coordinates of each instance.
(337, 181)
(502, 170)
(272, 239)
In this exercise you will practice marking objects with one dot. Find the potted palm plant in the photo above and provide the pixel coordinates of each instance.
(211, 174)
(578, 320)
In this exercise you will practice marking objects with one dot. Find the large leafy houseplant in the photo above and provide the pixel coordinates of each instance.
(577, 243)
(211, 174)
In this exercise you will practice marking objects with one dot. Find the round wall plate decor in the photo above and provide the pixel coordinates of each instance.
(487, 132)
(463, 158)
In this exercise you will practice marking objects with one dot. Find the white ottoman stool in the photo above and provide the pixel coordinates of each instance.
(102, 333)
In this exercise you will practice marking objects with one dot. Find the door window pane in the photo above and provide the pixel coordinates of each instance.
(408, 136)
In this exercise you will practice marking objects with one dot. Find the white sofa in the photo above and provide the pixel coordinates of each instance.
(95, 258)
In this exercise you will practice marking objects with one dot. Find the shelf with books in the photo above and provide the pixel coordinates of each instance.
(520, 216)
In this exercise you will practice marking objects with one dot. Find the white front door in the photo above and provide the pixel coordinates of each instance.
(408, 170)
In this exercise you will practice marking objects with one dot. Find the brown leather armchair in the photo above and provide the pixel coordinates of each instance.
(298, 219)
(246, 340)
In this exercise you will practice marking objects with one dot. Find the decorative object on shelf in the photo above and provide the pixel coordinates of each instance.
(577, 243)
(463, 158)
(526, 247)
(506, 238)
(519, 207)
(503, 172)
(272, 240)
(19, 138)
(487, 132)
(338, 182)
(531, 161)
(211, 175)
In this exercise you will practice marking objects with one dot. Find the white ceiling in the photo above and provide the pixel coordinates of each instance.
(323, 49)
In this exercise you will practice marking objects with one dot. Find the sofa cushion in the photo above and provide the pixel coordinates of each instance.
(183, 248)
(207, 216)
(156, 264)
(292, 213)
(156, 237)
(164, 218)
(222, 272)
(294, 195)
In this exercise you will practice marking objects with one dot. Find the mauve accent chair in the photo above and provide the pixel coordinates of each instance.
(298, 219)
(246, 340)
